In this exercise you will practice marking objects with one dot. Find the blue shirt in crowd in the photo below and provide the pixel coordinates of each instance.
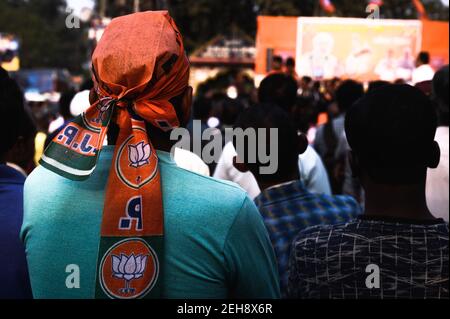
(14, 282)
(289, 208)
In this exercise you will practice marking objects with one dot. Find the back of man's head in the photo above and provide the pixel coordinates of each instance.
(277, 63)
(14, 120)
(391, 133)
(306, 80)
(279, 89)
(305, 113)
(290, 62)
(232, 108)
(374, 85)
(201, 109)
(440, 94)
(269, 116)
(348, 93)
(423, 58)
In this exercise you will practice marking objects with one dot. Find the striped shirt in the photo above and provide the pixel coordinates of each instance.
(289, 208)
(368, 258)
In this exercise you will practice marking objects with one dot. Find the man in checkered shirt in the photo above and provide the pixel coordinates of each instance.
(397, 249)
(285, 204)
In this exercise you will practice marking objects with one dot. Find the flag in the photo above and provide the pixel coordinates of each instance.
(420, 9)
(327, 6)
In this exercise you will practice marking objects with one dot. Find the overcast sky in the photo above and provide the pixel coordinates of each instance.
(77, 5)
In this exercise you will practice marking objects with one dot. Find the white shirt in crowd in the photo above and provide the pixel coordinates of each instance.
(312, 172)
(190, 162)
(80, 103)
(56, 124)
(423, 73)
(437, 179)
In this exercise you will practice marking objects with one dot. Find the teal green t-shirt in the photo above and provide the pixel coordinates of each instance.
(216, 244)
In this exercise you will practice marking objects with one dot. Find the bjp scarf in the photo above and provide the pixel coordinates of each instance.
(138, 67)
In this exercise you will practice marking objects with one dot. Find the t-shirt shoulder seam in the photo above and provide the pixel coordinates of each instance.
(233, 223)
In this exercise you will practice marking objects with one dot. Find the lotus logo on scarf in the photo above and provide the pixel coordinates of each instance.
(128, 268)
(139, 154)
(132, 156)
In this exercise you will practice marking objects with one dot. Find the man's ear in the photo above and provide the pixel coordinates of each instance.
(302, 144)
(435, 156)
(22, 152)
(354, 164)
(93, 96)
(241, 167)
(187, 103)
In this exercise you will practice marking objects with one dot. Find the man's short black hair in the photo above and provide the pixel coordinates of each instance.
(307, 79)
(15, 120)
(348, 93)
(376, 85)
(305, 113)
(290, 62)
(232, 108)
(201, 108)
(87, 85)
(279, 89)
(277, 59)
(391, 131)
(271, 116)
(440, 94)
(424, 57)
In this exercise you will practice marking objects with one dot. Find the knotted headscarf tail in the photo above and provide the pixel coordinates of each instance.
(138, 66)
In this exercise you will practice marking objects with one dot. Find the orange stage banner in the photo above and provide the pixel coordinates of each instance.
(365, 49)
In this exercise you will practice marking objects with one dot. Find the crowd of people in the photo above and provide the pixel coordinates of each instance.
(358, 207)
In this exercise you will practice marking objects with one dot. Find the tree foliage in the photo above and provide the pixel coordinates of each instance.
(200, 20)
(46, 42)
(44, 38)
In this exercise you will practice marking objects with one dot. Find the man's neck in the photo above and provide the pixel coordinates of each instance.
(405, 202)
(163, 145)
(263, 185)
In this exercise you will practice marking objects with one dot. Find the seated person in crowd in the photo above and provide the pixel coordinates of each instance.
(397, 249)
(281, 90)
(423, 71)
(285, 204)
(290, 68)
(17, 132)
(437, 179)
(277, 64)
(139, 226)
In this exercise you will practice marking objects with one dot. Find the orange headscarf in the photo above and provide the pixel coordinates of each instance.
(138, 67)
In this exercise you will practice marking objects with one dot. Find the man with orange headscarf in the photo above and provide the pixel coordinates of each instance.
(123, 221)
